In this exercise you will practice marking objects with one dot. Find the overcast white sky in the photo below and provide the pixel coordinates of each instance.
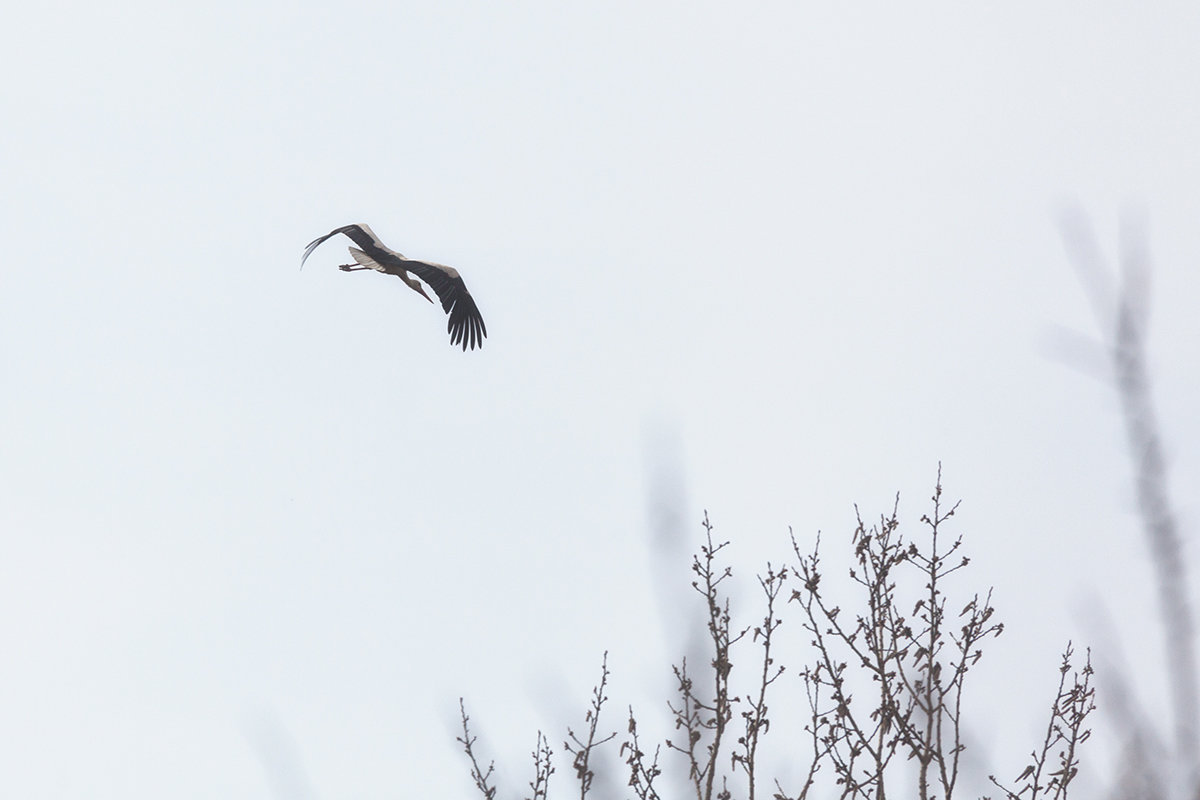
(782, 257)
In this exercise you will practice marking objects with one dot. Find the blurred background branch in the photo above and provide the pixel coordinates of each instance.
(1122, 310)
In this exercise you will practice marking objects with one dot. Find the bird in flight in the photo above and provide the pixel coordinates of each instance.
(465, 324)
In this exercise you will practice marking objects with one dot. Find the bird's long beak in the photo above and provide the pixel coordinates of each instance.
(421, 289)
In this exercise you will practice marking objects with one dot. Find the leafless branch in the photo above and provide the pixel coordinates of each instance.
(480, 776)
(582, 749)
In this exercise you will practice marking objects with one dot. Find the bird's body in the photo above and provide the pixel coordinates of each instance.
(465, 324)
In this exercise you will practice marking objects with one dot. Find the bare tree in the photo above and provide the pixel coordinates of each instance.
(903, 649)
(918, 662)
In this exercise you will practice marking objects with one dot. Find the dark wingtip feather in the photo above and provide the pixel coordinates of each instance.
(315, 243)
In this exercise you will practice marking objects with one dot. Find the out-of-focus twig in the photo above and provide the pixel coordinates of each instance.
(1122, 311)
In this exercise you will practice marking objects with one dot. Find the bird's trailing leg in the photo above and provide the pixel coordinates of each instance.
(350, 267)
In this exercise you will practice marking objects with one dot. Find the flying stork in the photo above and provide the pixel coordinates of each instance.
(466, 323)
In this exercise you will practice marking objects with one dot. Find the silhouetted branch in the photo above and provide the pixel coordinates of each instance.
(641, 775)
(582, 749)
(1070, 710)
(480, 776)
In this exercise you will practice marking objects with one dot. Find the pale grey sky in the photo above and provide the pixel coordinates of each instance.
(243, 506)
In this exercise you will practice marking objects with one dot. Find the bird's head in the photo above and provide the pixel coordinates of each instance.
(411, 282)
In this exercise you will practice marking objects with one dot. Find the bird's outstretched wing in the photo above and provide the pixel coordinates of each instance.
(466, 323)
(362, 235)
